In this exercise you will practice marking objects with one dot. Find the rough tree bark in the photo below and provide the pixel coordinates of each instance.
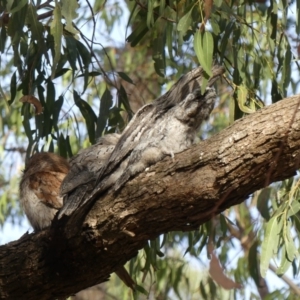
(177, 194)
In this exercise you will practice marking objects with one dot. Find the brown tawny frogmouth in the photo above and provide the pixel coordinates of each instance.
(40, 194)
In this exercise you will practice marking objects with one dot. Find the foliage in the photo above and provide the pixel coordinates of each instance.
(60, 57)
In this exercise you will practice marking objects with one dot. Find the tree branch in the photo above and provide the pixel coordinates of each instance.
(177, 194)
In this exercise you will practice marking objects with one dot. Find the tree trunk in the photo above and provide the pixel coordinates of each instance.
(178, 194)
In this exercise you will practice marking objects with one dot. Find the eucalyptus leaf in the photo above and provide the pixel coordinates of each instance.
(185, 22)
(69, 11)
(204, 48)
(56, 29)
(269, 245)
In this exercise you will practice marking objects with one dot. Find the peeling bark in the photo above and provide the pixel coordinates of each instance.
(178, 194)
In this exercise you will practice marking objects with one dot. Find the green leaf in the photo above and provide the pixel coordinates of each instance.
(90, 74)
(232, 108)
(203, 290)
(62, 146)
(275, 92)
(215, 28)
(137, 34)
(68, 146)
(57, 108)
(162, 4)
(71, 51)
(84, 53)
(284, 263)
(56, 29)
(88, 114)
(105, 105)
(253, 263)
(26, 121)
(159, 56)
(51, 146)
(169, 39)
(274, 20)
(185, 22)
(293, 209)
(262, 203)
(123, 99)
(16, 24)
(61, 72)
(35, 26)
(69, 8)
(3, 37)
(287, 69)
(291, 250)
(224, 43)
(150, 19)
(204, 48)
(223, 224)
(140, 289)
(125, 77)
(50, 97)
(16, 8)
(242, 97)
(298, 17)
(13, 88)
(270, 243)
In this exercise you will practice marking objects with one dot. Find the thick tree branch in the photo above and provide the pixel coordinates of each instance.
(177, 194)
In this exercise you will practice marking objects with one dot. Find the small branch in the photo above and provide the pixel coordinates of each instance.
(288, 281)
(45, 15)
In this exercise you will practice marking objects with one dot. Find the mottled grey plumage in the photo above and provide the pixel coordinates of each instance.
(88, 162)
(165, 127)
(84, 169)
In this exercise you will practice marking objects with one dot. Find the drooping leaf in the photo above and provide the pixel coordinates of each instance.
(35, 25)
(3, 38)
(105, 105)
(123, 100)
(62, 146)
(269, 245)
(135, 37)
(253, 263)
(57, 109)
(159, 56)
(56, 29)
(285, 263)
(50, 97)
(224, 42)
(291, 250)
(150, 19)
(16, 6)
(242, 96)
(88, 114)
(84, 53)
(185, 22)
(287, 70)
(13, 88)
(262, 203)
(204, 48)
(71, 51)
(125, 77)
(69, 11)
(294, 208)
(68, 146)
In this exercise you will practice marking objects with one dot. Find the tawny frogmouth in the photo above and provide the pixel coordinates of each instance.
(40, 194)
